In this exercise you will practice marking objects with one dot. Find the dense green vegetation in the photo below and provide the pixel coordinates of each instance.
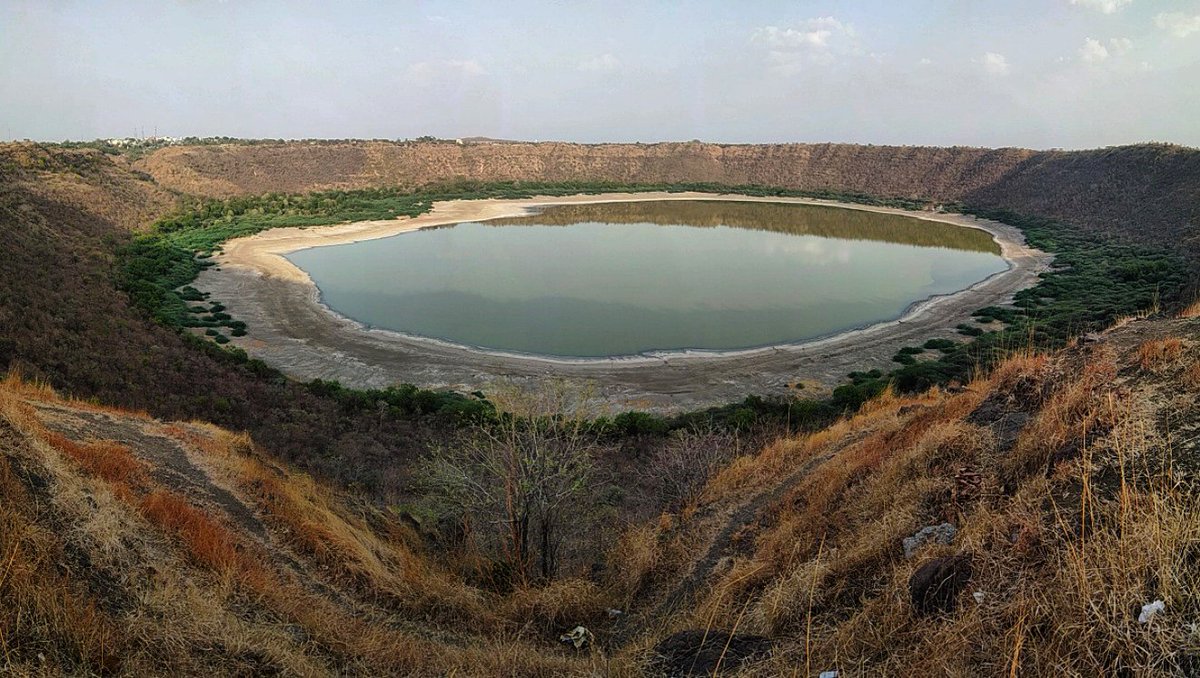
(1094, 281)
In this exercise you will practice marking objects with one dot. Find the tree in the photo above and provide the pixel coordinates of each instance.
(520, 477)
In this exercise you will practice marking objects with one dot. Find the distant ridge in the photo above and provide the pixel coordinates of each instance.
(1148, 192)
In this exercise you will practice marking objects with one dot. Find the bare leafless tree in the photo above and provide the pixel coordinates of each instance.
(521, 478)
(688, 460)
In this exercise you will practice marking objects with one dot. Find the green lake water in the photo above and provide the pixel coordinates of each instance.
(616, 279)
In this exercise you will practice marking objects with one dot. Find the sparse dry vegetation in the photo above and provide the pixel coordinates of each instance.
(1069, 498)
(240, 551)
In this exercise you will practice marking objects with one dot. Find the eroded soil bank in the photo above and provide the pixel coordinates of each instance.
(290, 329)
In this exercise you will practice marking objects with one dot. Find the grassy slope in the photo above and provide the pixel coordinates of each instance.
(1071, 479)
(135, 547)
(138, 546)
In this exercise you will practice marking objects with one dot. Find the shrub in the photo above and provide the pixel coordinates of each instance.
(639, 423)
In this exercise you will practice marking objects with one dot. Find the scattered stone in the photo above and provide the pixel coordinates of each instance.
(938, 534)
(578, 637)
(696, 652)
(1149, 610)
(935, 586)
(978, 596)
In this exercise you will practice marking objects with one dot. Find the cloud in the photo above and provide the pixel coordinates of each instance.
(994, 63)
(1093, 51)
(1102, 6)
(426, 72)
(1178, 24)
(1119, 46)
(604, 63)
(816, 41)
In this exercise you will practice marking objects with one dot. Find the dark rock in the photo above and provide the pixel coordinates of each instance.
(935, 586)
(698, 653)
(1008, 428)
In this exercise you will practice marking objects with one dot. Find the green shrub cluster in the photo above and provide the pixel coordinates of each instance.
(408, 400)
(1094, 280)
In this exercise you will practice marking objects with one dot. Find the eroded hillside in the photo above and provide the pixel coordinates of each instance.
(1148, 192)
(64, 215)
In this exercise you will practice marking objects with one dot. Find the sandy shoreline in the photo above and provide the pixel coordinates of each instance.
(291, 329)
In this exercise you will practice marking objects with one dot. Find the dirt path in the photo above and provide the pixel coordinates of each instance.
(290, 328)
(168, 461)
(681, 597)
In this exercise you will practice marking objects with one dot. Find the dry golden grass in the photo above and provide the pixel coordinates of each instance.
(640, 554)
(1064, 554)
(43, 610)
(16, 385)
(1073, 415)
(206, 598)
(1159, 353)
(1191, 377)
(108, 460)
(1191, 311)
(210, 544)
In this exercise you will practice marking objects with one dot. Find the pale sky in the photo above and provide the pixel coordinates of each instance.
(1032, 73)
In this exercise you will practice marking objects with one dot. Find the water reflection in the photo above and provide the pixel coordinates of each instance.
(624, 278)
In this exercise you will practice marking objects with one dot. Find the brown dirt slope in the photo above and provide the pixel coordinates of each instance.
(222, 171)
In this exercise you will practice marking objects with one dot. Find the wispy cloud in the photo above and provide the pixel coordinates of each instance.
(1093, 51)
(1119, 46)
(601, 64)
(1178, 24)
(816, 41)
(994, 63)
(1103, 6)
(425, 72)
